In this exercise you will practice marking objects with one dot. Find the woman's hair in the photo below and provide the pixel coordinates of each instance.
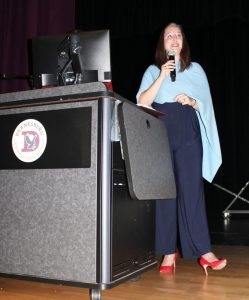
(160, 54)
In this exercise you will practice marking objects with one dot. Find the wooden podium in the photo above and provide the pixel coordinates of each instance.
(73, 209)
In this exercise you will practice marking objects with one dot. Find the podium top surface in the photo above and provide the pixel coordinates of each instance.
(60, 91)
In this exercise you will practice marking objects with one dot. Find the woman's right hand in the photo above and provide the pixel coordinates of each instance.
(167, 68)
(149, 95)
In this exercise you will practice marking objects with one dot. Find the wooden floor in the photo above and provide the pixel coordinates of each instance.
(188, 282)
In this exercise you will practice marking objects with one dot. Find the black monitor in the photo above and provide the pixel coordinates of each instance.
(76, 57)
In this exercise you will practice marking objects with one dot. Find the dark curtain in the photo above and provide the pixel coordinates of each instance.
(217, 33)
(22, 20)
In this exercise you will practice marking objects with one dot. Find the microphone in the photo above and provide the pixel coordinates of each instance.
(171, 55)
(76, 55)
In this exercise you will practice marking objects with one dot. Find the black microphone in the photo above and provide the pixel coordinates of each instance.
(76, 55)
(171, 56)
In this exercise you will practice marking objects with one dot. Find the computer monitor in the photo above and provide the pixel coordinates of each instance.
(76, 57)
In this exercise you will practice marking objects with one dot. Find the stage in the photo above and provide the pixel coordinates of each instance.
(188, 282)
(230, 240)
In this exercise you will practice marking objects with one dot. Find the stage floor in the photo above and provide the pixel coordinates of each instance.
(187, 282)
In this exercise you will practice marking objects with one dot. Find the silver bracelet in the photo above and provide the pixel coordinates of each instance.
(194, 102)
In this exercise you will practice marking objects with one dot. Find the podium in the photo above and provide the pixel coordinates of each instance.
(80, 167)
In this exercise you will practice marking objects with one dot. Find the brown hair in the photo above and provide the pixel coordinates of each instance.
(160, 54)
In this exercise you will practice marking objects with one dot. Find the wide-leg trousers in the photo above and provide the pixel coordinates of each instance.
(183, 220)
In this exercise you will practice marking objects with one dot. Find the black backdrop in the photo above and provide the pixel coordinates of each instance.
(217, 32)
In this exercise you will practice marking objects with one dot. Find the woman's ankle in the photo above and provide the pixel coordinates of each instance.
(168, 259)
(210, 256)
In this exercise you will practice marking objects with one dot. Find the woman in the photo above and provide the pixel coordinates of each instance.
(194, 142)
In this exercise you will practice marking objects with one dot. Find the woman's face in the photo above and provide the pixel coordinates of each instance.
(173, 40)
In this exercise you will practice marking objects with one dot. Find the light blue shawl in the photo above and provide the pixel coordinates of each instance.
(194, 83)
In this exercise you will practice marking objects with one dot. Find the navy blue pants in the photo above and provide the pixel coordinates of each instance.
(183, 219)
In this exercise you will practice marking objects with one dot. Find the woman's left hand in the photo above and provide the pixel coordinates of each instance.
(185, 100)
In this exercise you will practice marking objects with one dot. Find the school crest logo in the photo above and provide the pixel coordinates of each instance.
(29, 140)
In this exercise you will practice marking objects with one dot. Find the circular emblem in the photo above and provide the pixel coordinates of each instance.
(29, 140)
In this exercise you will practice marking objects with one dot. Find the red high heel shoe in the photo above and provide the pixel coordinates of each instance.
(168, 269)
(215, 265)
